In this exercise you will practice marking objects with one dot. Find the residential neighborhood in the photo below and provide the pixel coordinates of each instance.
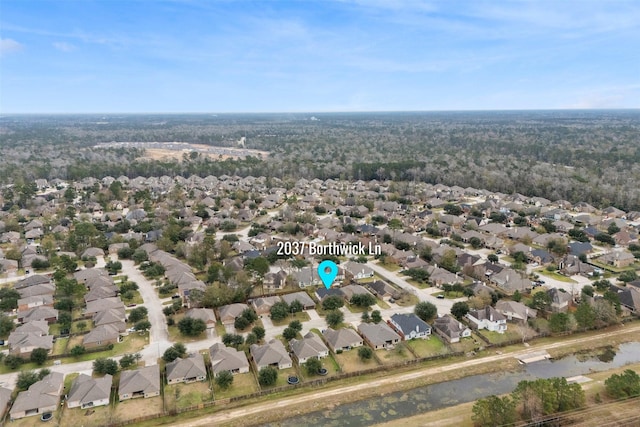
(134, 283)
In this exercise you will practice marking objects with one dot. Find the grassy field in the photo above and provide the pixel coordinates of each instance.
(140, 407)
(132, 343)
(60, 346)
(242, 384)
(350, 362)
(328, 363)
(426, 348)
(283, 374)
(449, 295)
(557, 276)
(399, 354)
(185, 395)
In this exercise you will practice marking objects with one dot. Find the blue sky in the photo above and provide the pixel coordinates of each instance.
(82, 56)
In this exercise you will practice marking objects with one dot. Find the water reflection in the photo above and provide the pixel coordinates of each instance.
(437, 396)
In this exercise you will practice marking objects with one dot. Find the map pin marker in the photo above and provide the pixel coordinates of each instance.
(327, 270)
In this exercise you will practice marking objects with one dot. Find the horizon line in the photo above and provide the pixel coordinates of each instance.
(3, 114)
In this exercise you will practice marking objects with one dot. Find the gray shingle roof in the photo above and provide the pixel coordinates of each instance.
(86, 389)
(189, 367)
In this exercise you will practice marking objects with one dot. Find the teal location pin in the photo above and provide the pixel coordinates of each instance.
(327, 270)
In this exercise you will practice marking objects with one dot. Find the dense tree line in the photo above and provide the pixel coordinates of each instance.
(590, 156)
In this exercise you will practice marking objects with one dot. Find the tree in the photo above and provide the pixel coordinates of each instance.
(64, 320)
(559, 322)
(494, 410)
(191, 327)
(6, 325)
(365, 353)
(105, 366)
(363, 300)
(517, 296)
(452, 209)
(295, 306)
(259, 331)
(475, 242)
(585, 315)
(249, 314)
(39, 356)
(425, 311)
(365, 317)
(312, 366)
(279, 310)
(332, 302)
(12, 361)
(137, 314)
(224, 379)
(459, 309)
(26, 379)
(251, 339)
(241, 323)
(78, 350)
(493, 258)
(268, 376)
(587, 290)
(9, 299)
(602, 285)
(127, 360)
(289, 333)
(296, 325)
(143, 325)
(605, 238)
(541, 301)
(624, 385)
(376, 317)
(628, 276)
(258, 265)
(334, 318)
(232, 340)
(65, 304)
(173, 352)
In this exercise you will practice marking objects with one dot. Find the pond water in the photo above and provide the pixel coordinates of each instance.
(436, 396)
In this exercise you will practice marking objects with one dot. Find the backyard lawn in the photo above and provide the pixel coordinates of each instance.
(427, 348)
(242, 384)
(60, 346)
(468, 344)
(399, 354)
(97, 416)
(184, 395)
(509, 335)
(350, 362)
(301, 316)
(140, 407)
(328, 363)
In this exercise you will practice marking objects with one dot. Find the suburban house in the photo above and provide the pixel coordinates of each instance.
(205, 314)
(302, 297)
(450, 329)
(26, 338)
(103, 304)
(228, 359)
(488, 318)
(618, 259)
(262, 305)
(311, 345)
(87, 392)
(630, 298)
(571, 265)
(228, 313)
(379, 335)
(510, 281)
(560, 300)
(35, 301)
(5, 398)
(101, 336)
(141, 382)
(307, 276)
(383, 290)
(515, 311)
(342, 339)
(357, 271)
(41, 312)
(272, 353)
(186, 370)
(410, 326)
(274, 281)
(42, 396)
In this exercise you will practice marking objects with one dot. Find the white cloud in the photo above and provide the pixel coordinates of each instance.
(64, 47)
(9, 46)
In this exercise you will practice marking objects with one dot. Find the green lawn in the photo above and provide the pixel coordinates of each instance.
(496, 338)
(283, 374)
(301, 316)
(407, 299)
(132, 343)
(429, 347)
(176, 336)
(242, 384)
(449, 295)
(60, 346)
(328, 363)
(556, 276)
